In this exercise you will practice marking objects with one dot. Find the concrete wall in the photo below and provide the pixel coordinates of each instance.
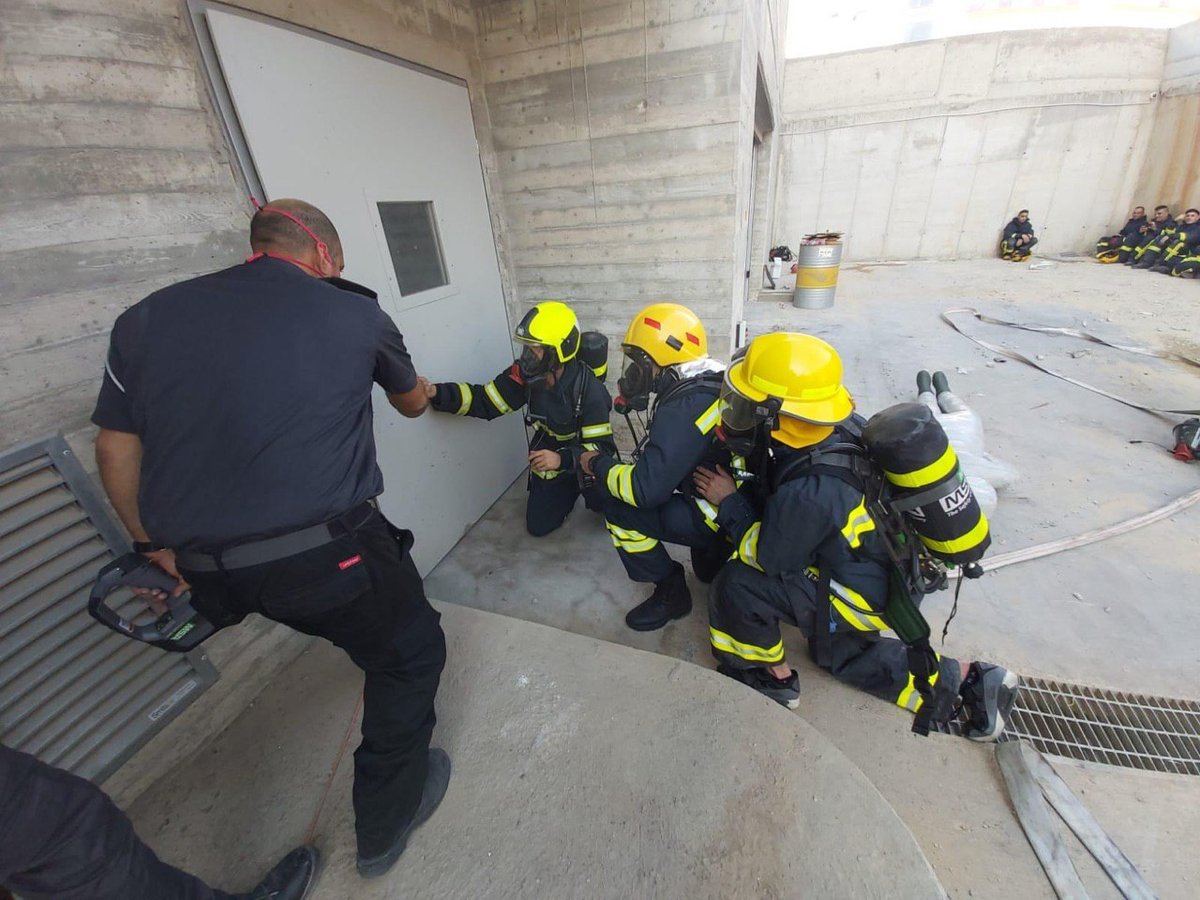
(926, 150)
(620, 132)
(1171, 174)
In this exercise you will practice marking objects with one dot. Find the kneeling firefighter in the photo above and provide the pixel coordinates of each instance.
(652, 499)
(817, 547)
(557, 377)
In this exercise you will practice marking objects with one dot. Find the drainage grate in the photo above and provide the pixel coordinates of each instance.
(1131, 730)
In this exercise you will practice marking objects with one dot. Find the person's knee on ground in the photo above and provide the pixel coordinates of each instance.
(539, 523)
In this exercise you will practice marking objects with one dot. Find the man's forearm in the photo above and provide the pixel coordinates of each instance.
(119, 456)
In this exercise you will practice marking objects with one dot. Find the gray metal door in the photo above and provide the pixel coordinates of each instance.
(73, 693)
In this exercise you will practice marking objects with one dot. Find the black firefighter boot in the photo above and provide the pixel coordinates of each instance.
(671, 600)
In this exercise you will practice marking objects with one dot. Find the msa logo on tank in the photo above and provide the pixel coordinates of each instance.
(954, 503)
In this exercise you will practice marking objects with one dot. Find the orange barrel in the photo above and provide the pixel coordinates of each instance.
(816, 275)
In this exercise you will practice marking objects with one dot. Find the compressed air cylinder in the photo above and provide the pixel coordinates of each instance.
(919, 462)
(593, 350)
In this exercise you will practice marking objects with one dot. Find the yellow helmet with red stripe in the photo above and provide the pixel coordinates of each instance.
(668, 333)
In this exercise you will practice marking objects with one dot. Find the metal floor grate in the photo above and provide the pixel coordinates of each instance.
(1096, 725)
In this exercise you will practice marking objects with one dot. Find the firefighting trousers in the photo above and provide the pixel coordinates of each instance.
(1189, 264)
(1136, 247)
(639, 534)
(61, 837)
(745, 608)
(552, 499)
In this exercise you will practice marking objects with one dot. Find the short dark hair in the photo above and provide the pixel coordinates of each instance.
(1142, 208)
(1196, 211)
(1162, 206)
(1022, 212)
(271, 231)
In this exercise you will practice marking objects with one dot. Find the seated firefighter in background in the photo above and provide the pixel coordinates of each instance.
(652, 499)
(568, 409)
(811, 552)
(1134, 249)
(1108, 249)
(1018, 239)
(1182, 254)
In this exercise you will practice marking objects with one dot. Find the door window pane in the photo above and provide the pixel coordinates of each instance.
(412, 239)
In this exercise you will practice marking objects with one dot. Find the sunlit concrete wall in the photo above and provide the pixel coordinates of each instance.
(926, 150)
(1171, 174)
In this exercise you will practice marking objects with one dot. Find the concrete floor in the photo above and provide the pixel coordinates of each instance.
(1113, 614)
(561, 787)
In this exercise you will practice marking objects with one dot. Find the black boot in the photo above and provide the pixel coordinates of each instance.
(436, 780)
(289, 880)
(785, 693)
(671, 600)
(988, 694)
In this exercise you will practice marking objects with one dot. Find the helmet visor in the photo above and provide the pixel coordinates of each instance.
(740, 413)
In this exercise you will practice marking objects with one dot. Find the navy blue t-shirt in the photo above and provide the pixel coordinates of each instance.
(250, 389)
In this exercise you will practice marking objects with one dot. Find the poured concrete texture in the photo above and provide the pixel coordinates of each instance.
(562, 787)
(1115, 614)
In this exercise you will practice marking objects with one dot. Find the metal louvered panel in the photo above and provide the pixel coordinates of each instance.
(73, 693)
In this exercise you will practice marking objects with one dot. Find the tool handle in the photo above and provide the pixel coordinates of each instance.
(134, 571)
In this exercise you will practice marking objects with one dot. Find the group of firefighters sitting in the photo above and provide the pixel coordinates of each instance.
(1161, 244)
(722, 469)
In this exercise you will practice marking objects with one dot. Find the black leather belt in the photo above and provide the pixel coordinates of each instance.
(255, 553)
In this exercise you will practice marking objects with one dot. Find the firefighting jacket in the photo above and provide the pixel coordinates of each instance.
(1133, 227)
(682, 436)
(551, 410)
(1016, 226)
(1186, 239)
(811, 520)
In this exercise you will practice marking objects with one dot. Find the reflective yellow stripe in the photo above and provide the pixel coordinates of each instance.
(749, 652)
(968, 541)
(747, 550)
(709, 512)
(858, 523)
(620, 483)
(858, 620)
(546, 476)
(709, 418)
(591, 431)
(910, 698)
(497, 400)
(541, 426)
(630, 541)
(464, 391)
(930, 474)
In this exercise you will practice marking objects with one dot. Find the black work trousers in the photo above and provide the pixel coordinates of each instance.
(362, 592)
(747, 605)
(61, 837)
(552, 499)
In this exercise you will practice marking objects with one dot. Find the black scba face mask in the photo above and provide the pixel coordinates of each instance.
(636, 383)
(533, 368)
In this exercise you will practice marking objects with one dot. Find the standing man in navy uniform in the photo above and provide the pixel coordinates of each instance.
(236, 445)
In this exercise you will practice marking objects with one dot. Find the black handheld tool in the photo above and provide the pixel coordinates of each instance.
(179, 629)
